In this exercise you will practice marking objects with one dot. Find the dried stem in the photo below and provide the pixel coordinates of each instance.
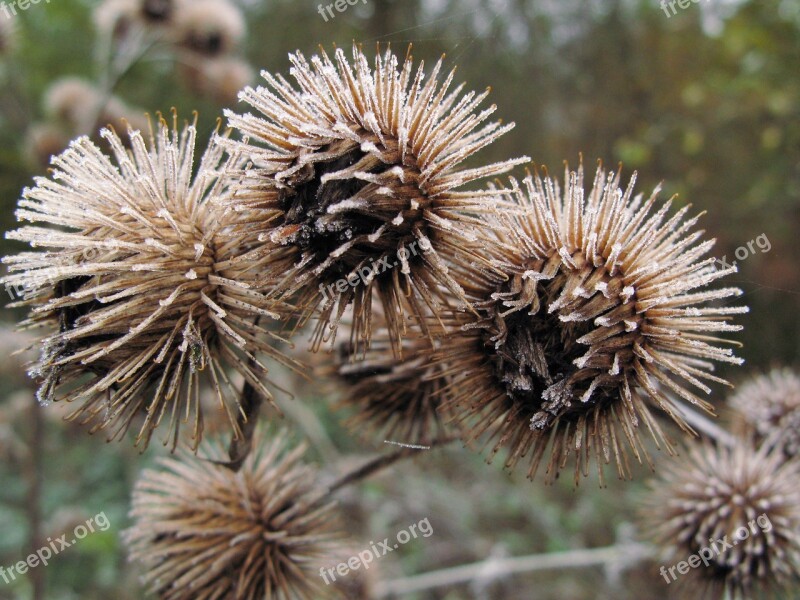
(241, 445)
(373, 466)
(627, 554)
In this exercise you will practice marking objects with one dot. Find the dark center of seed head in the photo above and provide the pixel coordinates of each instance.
(321, 232)
(534, 361)
(157, 10)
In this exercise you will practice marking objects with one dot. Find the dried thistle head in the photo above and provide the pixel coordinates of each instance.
(395, 398)
(118, 18)
(73, 102)
(202, 531)
(218, 78)
(769, 405)
(358, 181)
(209, 27)
(602, 311)
(140, 285)
(157, 11)
(742, 506)
(42, 142)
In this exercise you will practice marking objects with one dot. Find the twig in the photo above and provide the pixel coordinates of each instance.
(241, 445)
(626, 553)
(369, 468)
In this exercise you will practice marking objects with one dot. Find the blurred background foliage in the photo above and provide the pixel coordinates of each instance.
(706, 101)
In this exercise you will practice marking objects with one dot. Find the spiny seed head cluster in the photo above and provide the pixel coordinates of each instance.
(769, 405)
(140, 284)
(353, 163)
(201, 531)
(603, 310)
(740, 503)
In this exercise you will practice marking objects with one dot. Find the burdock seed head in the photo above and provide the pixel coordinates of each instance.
(201, 531)
(769, 405)
(209, 27)
(358, 177)
(603, 310)
(739, 508)
(139, 284)
(394, 398)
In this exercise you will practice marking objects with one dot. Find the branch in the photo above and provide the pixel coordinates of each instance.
(379, 463)
(627, 553)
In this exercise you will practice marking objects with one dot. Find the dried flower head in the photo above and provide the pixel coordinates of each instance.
(602, 310)
(769, 405)
(209, 27)
(740, 507)
(202, 531)
(141, 284)
(42, 142)
(114, 18)
(74, 102)
(396, 398)
(356, 177)
(218, 78)
(117, 18)
(157, 11)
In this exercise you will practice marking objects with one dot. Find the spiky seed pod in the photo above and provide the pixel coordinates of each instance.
(769, 405)
(218, 78)
(394, 398)
(42, 142)
(209, 27)
(73, 102)
(157, 11)
(201, 531)
(69, 98)
(141, 286)
(117, 18)
(602, 311)
(749, 498)
(114, 19)
(357, 180)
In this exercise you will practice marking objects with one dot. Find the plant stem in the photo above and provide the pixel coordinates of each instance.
(627, 553)
(377, 464)
(240, 446)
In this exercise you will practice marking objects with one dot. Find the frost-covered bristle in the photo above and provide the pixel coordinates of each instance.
(604, 309)
(138, 277)
(352, 164)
